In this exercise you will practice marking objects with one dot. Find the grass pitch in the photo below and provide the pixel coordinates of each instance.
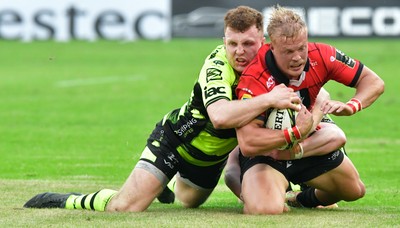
(75, 117)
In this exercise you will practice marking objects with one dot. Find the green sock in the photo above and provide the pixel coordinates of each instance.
(95, 201)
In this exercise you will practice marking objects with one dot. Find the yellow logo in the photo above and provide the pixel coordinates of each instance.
(246, 96)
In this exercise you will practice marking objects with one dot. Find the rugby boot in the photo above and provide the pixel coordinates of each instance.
(167, 196)
(49, 200)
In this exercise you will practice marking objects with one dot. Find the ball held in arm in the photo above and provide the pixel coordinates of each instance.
(284, 119)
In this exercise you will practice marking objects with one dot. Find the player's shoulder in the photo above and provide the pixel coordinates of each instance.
(218, 54)
(217, 59)
(320, 48)
(217, 67)
(321, 52)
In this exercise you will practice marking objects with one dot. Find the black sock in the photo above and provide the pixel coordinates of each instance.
(307, 198)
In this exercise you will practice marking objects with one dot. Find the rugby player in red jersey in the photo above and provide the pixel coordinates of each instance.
(291, 60)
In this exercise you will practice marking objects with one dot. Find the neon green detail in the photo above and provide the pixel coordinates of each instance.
(155, 143)
(148, 154)
(171, 183)
(194, 161)
(100, 201)
(211, 145)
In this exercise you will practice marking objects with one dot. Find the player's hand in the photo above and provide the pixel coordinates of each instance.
(304, 121)
(336, 108)
(284, 97)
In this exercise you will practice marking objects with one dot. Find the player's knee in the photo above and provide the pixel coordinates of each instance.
(191, 202)
(361, 190)
(358, 192)
(264, 209)
(189, 199)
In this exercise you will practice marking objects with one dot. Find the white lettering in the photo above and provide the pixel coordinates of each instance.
(380, 21)
(84, 20)
(323, 21)
(350, 15)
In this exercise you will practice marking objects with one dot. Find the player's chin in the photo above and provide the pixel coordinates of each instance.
(294, 73)
(240, 67)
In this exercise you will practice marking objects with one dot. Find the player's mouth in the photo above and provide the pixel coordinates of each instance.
(241, 62)
(297, 67)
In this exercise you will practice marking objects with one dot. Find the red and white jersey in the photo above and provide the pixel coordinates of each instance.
(324, 63)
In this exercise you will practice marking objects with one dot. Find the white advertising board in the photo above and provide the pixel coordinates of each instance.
(64, 20)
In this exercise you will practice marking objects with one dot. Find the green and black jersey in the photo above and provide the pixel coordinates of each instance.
(190, 128)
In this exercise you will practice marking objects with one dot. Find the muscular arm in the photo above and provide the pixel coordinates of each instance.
(368, 88)
(327, 139)
(254, 139)
(317, 113)
(237, 113)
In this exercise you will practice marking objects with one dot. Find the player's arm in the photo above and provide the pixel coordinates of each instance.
(368, 88)
(327, 138)
(254, 139)
(317, 113)
(226, 113)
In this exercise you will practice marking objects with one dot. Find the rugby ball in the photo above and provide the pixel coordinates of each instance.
(280, 119)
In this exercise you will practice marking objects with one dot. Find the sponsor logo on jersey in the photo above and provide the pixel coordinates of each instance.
(246, 96)
(270, 83)
(213, 74)
(341, 57)
(186, 127)
(209, 92)
(218, 62)
(213, 54)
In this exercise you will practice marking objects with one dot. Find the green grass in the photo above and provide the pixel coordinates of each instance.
(75, 117)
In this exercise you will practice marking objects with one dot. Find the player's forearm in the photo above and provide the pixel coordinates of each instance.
(327, 139)
(255, 141)
(232, 114)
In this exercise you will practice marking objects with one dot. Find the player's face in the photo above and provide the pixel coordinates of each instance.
(242, 47)
(291, 54)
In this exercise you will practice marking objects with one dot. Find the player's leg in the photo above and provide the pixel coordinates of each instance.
(263, 185)
(167, 196)
(232, 172)
(332, 178)
(263, 190)
(138, 192)
(329, 186)
(194, 184)
(189, 194)
(142, 186)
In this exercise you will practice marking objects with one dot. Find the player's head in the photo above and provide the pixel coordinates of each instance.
(244, 35)
(288, 34)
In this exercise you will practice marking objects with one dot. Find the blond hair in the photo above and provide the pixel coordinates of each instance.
(285, 23)
(242, 18)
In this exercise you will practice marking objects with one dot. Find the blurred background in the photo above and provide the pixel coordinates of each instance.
(124, 20)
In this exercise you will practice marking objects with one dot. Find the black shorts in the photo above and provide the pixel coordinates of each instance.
(167, 159)
(296, 171)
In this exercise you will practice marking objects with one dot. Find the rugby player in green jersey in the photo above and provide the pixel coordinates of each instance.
(192, 141)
